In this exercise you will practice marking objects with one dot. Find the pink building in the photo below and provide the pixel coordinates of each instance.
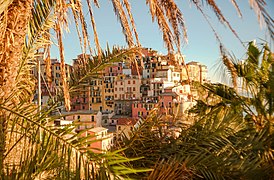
(114, 70)
(166, 101)
(141, 109)
(80, 99)
(100, 140)
(127, 88)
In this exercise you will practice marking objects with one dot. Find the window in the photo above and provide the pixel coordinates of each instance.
(115, 95)
(133, 81)
(133, 89)
(78, 117)
(119, 128)
(57, 123)
(121, 83)
(92, 118)
(128, 82)
(106, 121)
(115, 89)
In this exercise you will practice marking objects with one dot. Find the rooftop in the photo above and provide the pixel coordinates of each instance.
(97, 129)
(79, 112)
(127, 121)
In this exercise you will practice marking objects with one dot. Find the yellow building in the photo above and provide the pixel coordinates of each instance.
(108, 93)
(83, 119)
(96, 94)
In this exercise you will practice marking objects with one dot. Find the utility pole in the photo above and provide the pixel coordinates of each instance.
(39, 84)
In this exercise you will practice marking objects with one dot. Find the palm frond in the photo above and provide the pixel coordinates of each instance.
(120, 13)
(128, 8)
(63, 70)
(96, 39)
(263, 16)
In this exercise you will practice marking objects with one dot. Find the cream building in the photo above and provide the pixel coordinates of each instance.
(83, 119)
(127, 88)
(197, 71)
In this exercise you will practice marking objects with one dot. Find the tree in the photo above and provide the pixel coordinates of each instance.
(26, 26)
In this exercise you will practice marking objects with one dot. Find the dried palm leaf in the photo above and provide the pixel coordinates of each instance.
(48, 62)
(219, 14)
(230, 66)
(176, 19)
(76, 17)
(262, 15)
(96, 3)
(163, 25)
(120, 13)
(83, 27)
(63, 68)
(235, 4)
(128, 8)
(96, 39)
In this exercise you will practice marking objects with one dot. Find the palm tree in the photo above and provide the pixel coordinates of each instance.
(28, 147)
(247, 110)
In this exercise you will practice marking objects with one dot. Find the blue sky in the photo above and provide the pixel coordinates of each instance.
(202, 45)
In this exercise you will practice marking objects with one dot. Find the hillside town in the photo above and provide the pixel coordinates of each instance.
(111, 104)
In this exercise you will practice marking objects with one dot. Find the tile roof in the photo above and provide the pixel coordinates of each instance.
(127, 121)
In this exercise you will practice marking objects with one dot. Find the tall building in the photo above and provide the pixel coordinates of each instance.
(197, 71)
